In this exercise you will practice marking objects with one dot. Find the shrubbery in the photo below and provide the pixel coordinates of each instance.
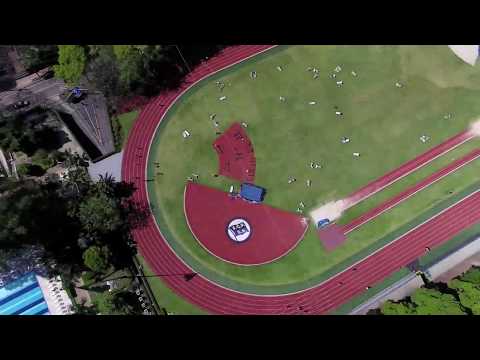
(461, 296)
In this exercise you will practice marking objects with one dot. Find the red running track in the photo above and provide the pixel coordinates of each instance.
(235, 154)
(274, 232)
(407, 168)
(397, 199)
(318, 300)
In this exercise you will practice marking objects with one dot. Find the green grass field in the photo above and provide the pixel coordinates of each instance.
(383, 122)
(126, 121)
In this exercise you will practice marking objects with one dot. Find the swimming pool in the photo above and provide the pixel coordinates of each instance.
(23, 297)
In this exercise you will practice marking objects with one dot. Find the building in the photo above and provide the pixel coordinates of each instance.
(468, 53)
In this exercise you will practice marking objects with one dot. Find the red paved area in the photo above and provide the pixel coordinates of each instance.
(273, 233)
(394, 201)
(318, 300)
(235, 154)
(331, 236)
(407, 168)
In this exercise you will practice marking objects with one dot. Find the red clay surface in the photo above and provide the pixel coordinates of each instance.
(274, 232)
(235, 154)
(407, 168)
(320, 299)
(331, 236)
(394, 201)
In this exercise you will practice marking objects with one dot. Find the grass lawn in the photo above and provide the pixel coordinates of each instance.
(166, 298)
(383, 122)
(409, 181)
(126, 121)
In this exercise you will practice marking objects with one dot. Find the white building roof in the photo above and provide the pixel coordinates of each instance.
(468, 53)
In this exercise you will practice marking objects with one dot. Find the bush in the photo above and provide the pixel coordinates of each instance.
(30, 170)
(23, 169)
(57, 156)
(42, 159)
(117, 133)
(97, 259)
(89, 277)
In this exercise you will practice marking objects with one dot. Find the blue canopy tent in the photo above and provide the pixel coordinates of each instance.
(252, 192)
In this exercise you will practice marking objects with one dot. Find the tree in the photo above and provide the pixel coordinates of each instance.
(468, 293)
(472, 276)
(433, 302)
(71, 63)
(102, 70)
(35, 213)
(97, 259)
(41, 158)
(76, 181)
(30, 170)
(37, 57)
(99, 214)
(27, 132)
(81, 309)
(117, 303)
(130, 65)
(398, 308)
(106, 305)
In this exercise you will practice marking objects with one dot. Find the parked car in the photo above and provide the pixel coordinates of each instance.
(322, 223)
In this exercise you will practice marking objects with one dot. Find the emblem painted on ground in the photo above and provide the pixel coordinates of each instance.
(238, 230)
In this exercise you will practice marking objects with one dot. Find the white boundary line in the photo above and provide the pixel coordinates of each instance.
(420, 189)
(407, 173)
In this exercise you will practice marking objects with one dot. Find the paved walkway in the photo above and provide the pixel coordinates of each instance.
(452, 265)
(395, 292)
(459, 269)
(111, 165)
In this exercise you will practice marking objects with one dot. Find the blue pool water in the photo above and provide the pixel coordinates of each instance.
(23, 297)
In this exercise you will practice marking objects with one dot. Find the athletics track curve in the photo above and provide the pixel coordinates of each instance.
(317, 300)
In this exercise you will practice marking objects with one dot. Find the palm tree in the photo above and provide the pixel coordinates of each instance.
(106, 184)
(76, 176)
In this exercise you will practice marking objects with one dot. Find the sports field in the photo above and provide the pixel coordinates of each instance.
(383, 122)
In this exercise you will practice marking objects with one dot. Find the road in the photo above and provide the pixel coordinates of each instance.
(91, 114)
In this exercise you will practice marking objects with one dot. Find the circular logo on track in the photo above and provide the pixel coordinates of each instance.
(238, 230)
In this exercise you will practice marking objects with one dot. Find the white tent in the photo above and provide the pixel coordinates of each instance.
(468, 53)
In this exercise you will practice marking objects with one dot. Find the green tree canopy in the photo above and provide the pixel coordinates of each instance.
(41, 158)
(71, 63)
(97, 259)
(34, 213)
(37, 57)
(433, 302)
(106, 305)
(472, 276)
(99, 213)
(102, 70)
(117, 303)
(130, 64)
(398, 308)
(468, 293)
(27, 132)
